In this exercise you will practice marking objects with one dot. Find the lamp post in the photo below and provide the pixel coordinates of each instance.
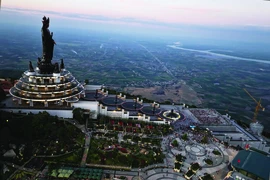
(135, 103)
(261, 143)
(224, 137)
(181, 164)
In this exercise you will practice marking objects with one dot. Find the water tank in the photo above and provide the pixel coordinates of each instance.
(256, 128)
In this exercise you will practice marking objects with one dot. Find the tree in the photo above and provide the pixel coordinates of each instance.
(86, 81)
(1, 171)
(175, 143)
(2, 94)
(185, 137)
(91, 115)
(135, 163)
(180, 158)
(204, 140)
(216, 152)
(78, 115)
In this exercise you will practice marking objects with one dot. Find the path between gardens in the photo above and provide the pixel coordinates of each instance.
(87, 138)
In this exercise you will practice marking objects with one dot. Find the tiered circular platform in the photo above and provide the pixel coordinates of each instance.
(150, 110)
(112, 101)
(55, 89)
(132, 106)
(93, 96)
(47, 84)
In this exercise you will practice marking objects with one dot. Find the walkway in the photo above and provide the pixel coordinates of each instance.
(22, 168)
(88, 136)
(86, 149)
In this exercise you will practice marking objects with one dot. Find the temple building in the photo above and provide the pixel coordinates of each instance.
(47, 84)
(36, 88)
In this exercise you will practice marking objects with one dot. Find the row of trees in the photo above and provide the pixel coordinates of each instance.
(41, 133)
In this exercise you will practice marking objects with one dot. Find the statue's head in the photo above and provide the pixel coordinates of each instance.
(46, 22)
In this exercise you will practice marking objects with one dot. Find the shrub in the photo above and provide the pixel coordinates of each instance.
(216, 152)
(189, 173)
(195, 166)
(185, 137)
(175, 143)
(207, 177)
(180, 158)
(208, 161)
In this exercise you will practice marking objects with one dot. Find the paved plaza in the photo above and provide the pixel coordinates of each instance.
(191, 149)
(194, 152)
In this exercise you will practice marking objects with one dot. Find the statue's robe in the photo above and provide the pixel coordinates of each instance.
(48, 44)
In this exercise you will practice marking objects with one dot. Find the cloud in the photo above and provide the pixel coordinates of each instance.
(132, 20)
(197, 10)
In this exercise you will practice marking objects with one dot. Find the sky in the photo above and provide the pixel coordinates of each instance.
(229, 21)
(194, 12)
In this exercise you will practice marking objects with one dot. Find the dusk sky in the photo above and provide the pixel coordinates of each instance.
(228, 20)
(195, 12)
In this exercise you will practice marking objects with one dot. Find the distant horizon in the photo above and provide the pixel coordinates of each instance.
(192, 12)
(244, 42)
(252, 40)
(80, 21)
(132, 20)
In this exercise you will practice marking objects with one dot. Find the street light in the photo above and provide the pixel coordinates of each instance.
(263, 144)
(224, 137)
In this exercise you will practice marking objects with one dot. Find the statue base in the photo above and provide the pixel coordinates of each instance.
(46, 67)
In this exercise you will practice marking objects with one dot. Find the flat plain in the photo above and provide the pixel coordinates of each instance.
(148, 67)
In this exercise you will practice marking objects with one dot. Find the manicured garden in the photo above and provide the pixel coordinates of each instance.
(107, 151)
(132, 126)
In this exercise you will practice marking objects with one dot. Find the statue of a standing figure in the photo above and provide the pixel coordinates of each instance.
(56, 68)
(31, 69)
(47, 40)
